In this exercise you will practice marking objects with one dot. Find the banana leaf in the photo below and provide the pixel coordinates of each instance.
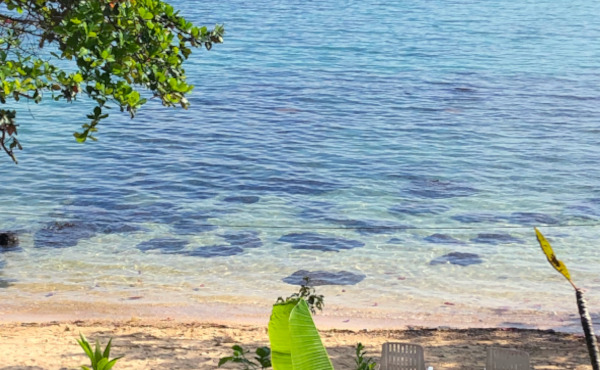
(295, 341)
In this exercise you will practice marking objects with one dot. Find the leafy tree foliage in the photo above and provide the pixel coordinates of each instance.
(115, 46)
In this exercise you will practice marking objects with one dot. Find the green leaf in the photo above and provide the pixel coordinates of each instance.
(308, 351)
(224, 360)
(78, 78)
(112, 363)
(101, 364)
(279, 336)
(295, 341)
(75, 21)
(106, 353)
(85, 345)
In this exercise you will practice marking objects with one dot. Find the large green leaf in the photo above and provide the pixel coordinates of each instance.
(279, 336)
(308, 352)
(295, 341)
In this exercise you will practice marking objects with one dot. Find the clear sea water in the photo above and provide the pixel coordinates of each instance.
(397, 132)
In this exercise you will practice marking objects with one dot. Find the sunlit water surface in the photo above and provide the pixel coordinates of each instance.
(360, 136)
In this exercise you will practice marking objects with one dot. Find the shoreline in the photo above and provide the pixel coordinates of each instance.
(198, 344)
(257, 313)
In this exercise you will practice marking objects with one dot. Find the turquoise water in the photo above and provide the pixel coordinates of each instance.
(374, 125)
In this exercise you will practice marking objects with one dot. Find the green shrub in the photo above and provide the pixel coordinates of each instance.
(100, 359)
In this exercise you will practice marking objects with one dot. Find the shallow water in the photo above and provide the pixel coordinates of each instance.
(375, 126)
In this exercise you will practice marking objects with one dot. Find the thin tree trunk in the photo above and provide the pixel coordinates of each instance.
(588, 329)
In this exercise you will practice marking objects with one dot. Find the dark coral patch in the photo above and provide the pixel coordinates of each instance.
(320, 242)
(496, 239)
(417, 209)
(469, 218)
(164, 245)
(457, 258)
(532, 219)
(437, 189)
(243, 239)
(324, 278)
(214, 251)
(245, 199)
(442, 239)
(63, 234)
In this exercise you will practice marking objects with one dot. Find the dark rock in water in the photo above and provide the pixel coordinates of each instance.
(8, 240)
(416, 209)
(314, 210)
(395, 241)
(191, 227)
(368, 227)
(469, 218)
(496, 239)
(244, 239)
(436, 189)
(63, 234)
(290, 185)
(215, 251)
(6, 283)
(457, 258)
(580, 212)
(324, 278)
(165, 245)
(248, 199)
(319, 242)
(532, 219)
(442, 238)
(118, 228)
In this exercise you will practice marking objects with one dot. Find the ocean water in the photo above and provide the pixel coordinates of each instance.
(404, 148)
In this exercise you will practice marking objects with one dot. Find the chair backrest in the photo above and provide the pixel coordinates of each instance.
(402, 356)
(506, 359)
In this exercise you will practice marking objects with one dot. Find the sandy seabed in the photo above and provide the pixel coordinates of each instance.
(169, 344)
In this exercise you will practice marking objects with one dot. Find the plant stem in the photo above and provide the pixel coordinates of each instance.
(586, 323)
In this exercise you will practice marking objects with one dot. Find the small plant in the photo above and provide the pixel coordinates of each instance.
(362, 362)
(263, 357)
(586, 321)
(100, 359)
(315, 301)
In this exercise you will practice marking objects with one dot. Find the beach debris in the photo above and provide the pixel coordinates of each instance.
(315, 241)
(498, 238)
(324, 278)
(457, 258)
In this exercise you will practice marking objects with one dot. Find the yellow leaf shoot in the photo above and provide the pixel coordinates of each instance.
(547, 248)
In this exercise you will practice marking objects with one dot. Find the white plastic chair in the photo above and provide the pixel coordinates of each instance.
(506, 359)
(402, 356)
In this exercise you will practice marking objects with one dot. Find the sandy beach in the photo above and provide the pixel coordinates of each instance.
(169, 344)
